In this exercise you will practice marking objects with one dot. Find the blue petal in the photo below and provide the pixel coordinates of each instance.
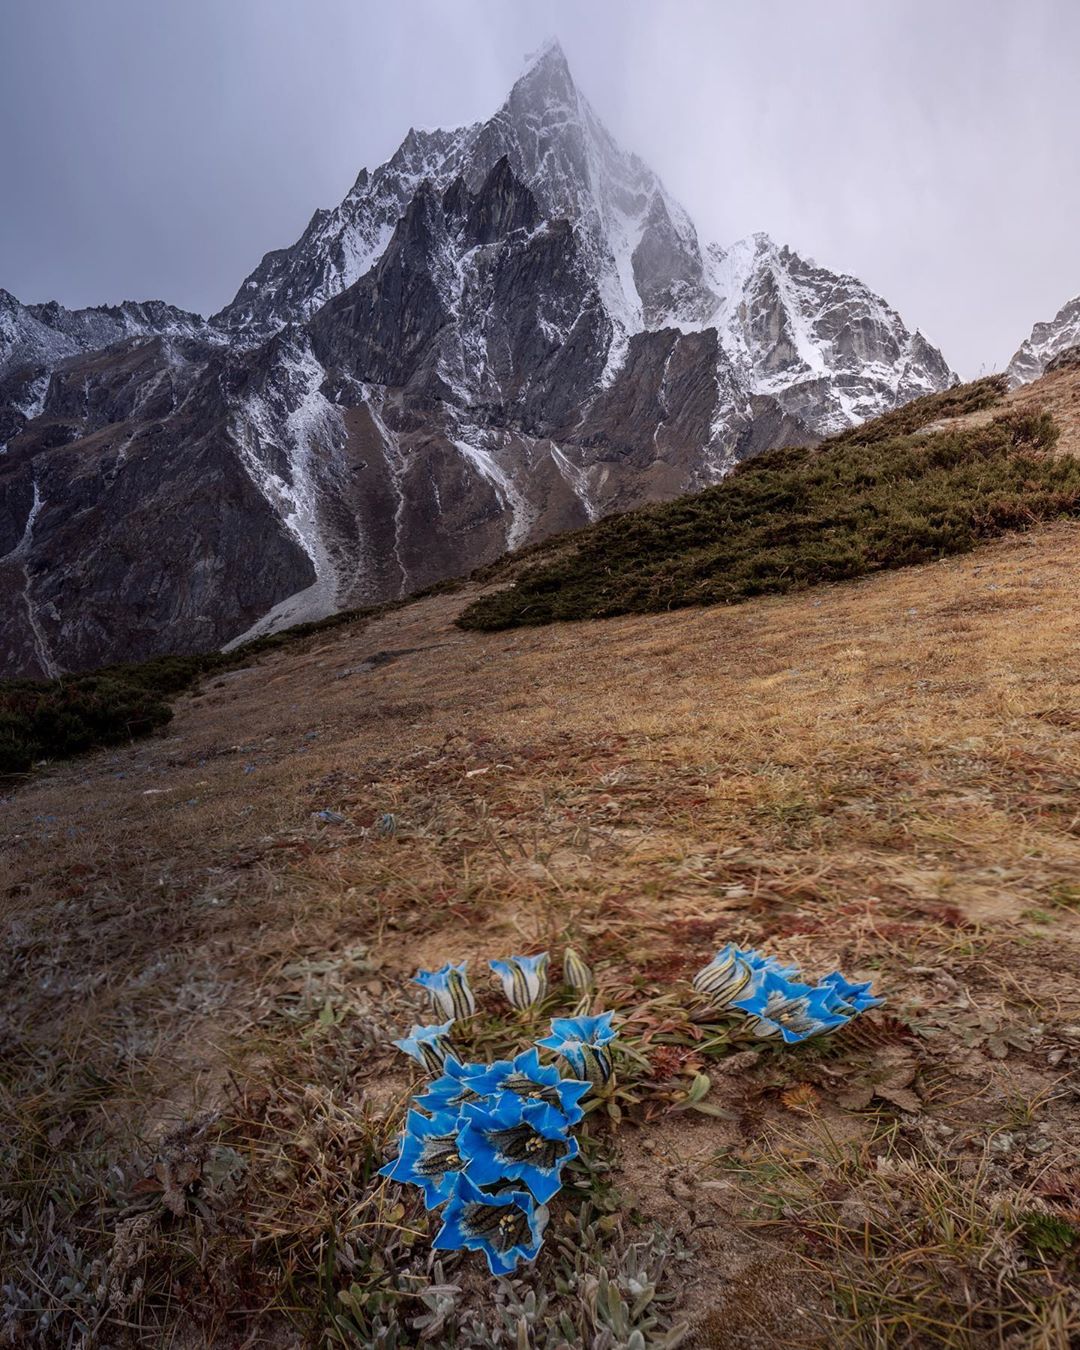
(485, 1081)
(448, 989)
(453, 1088)
(794, 1012)
(456, 1230)
(527, 1078)
(413, 1165)
(589, 1030)
(427, 1045)
(433, 979)
(767, 984)
(758, 961)
(450, 1236)
(428, 1033)
(833, 1002)
(856, 995)
(517, 1140)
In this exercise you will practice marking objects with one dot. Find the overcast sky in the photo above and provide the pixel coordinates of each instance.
(157, 148)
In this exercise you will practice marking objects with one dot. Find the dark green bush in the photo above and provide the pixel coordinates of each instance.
(923, 412)
(65, 717)
(796, 517)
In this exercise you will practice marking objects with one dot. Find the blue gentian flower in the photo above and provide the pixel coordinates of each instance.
(524, 978)
(725, 977)
(429, 1156)
(595, 1030)
(581, 1042)
(507, 1228)
(448, 990)
(516, 1140)
(780, 1007)
(731, 972)
(429, 1046)
(758, 961)
(528, 1079)
(590, 1030)
(460, 1083)
(845, 997)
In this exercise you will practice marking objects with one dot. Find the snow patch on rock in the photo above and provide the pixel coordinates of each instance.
(520, 514)
(21, 555)
(289, 437)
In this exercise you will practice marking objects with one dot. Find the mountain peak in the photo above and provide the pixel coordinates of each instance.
(549, 53)
(546, 80)
(1046, 341)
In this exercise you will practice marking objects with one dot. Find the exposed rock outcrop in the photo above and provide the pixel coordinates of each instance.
(1046, 341)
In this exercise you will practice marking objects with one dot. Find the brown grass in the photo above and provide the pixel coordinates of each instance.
(881, 775)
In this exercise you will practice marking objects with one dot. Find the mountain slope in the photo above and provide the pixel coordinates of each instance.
(937, 476)
(910, 486)
(209, 943)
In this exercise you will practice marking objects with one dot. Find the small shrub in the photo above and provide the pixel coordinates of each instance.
(1048, 1235)
(65, 717)
(54, 719)
(909, 418)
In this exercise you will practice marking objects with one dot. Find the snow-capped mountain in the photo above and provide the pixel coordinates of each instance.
(831, 350)
(640, 245)
(45, 334)
(507, 330)
(1046, 341)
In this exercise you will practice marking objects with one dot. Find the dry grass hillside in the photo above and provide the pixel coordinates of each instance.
(202, 975)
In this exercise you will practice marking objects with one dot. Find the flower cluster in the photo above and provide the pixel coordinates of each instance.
(486, 1143)
(776, 1003)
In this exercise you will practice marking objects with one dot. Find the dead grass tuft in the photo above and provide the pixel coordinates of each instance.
(919, 1247)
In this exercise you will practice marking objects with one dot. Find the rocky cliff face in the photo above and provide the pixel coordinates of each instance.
(1047, 340)
(825, 346)
(507, 330)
